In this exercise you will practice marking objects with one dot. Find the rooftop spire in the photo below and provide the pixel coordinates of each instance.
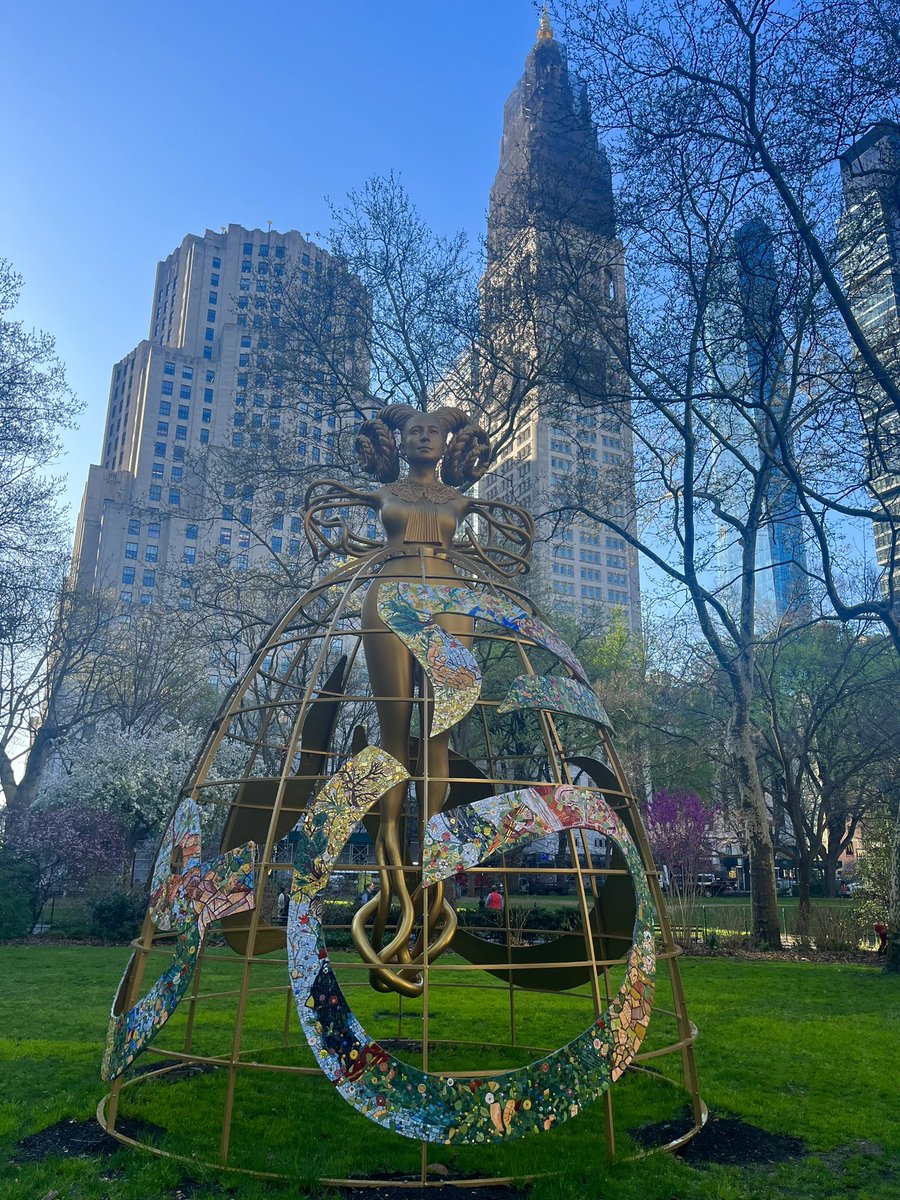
(545, 29)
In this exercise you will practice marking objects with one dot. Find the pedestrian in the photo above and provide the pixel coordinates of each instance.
(494, 900)
(283, 905)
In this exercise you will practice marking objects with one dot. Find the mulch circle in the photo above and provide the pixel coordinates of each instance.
(79, 1139)
(725, 1140)
(447, 1191)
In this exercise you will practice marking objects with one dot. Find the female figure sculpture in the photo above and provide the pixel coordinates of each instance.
(422, 515)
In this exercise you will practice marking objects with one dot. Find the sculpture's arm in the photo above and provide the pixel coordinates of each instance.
(328, 504)
(502, 536)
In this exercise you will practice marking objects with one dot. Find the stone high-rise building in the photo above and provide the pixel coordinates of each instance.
(191, 389)
(870, 174)
(553, 298)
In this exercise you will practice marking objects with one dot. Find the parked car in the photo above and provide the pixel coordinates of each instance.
(712, 885)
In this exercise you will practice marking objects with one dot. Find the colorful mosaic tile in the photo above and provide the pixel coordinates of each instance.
(186, 897)
(555, 693)
(440, 1108)
(409, 609)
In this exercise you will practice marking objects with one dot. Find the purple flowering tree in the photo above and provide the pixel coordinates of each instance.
(679, 826)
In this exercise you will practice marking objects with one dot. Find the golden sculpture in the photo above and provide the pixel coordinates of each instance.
(424, 630)
(421, 515)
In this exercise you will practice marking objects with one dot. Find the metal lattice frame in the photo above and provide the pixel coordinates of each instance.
(285, 702)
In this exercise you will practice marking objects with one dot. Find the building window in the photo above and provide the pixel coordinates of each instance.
(162, 428)
(276, 545)
(167, 387)
(146, 598)
(207, 352)
(248, 247)
(217, 262)
(214, 280)
(204, 437)
(225, 537)
(190, 554)
(125, 597)
(134, 526)
(210, 315)
(183, 412)
(181, 433)
(210, 376)
(158, 471)
(169, 368)
(210, 334)
(207, 416)
(177, 473)
(159, 450)
(207, 395)
(213, 298)
(153, 529)
(191, 533)
(149, 578)
(178, 453)
(174, 497)
(151, 554)
(155, 492)
(164, 408)
(131, 549)
(185, 391)
(128, 574)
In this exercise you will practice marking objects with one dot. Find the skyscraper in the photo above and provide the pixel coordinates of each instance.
(191, 389)
(765, 351)
(870, 174)
(553, 298)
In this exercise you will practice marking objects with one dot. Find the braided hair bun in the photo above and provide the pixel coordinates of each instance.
(466, 458)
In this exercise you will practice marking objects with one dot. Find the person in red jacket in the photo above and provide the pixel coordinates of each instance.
(881, 930)
(494, 900)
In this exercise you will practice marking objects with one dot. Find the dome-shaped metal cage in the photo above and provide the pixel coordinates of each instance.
(530, 947)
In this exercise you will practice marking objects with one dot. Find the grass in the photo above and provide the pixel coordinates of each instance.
(802, 1048)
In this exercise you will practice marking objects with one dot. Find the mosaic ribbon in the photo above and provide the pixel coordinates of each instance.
(439, 1108)
(409, 609)
(186, 897)
(555, 693)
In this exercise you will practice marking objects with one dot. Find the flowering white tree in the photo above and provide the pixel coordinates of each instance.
(132, 775)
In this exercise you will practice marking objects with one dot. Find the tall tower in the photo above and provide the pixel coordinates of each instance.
(193, 389)
(766, 350)
(870, 229)
(553, 299)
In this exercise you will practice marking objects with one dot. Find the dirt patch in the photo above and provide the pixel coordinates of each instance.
(79, 1139)
(726, 1140)
(453, 1188)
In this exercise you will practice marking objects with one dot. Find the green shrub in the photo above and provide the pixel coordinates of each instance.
(19, 885)
(836, 929)
(117, 916)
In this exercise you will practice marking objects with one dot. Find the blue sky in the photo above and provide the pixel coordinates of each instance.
(130, 125)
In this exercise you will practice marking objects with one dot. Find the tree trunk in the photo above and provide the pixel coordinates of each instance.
(804, 871)
(892, 961)
(829, 862)
(766, 930)
(22, 795)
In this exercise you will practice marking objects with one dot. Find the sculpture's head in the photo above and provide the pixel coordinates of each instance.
(425, 438)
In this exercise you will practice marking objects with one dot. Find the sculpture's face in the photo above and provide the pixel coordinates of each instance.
(423, 440)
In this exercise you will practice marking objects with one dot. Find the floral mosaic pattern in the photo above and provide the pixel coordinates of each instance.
(409, 609)
(340, 805)
(555, 693)
(186, 897)
(440, 1108)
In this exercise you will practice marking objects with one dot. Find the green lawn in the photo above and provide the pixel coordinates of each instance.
(798, 1048)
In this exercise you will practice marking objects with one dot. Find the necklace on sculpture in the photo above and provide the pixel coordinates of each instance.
(408, 489)
(422, 524)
